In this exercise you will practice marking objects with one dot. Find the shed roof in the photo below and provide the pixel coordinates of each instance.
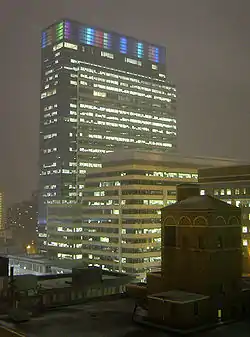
(179, 296)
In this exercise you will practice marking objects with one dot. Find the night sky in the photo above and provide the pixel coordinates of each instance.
(208, 58)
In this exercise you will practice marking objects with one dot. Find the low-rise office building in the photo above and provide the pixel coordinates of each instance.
(232, 185)
(64, 232)
(117, 227)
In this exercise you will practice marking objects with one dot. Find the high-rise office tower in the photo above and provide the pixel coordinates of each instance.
(100, 91)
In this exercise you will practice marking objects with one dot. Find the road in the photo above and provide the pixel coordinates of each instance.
(6, 332)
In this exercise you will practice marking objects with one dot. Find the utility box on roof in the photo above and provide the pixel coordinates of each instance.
(4, 266)
(25, 282)
(82, 277)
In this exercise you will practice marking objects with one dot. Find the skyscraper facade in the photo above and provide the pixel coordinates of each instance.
(100, 92)
(21, 219)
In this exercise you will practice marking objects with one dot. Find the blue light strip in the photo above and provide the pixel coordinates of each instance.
(90, 36)
(156, 54)
(140, 50)
(123, 45)
(44, 39)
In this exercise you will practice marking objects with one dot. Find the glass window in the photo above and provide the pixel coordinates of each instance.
(237, 191)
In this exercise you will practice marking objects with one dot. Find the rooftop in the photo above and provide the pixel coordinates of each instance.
(201, 202)
(110, 318)
(178, 296)
(168, 159)
(64, 264)
(65, 280)
(226, 173)
(102, 29)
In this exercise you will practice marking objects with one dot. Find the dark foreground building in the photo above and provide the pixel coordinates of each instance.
(100, 91)
(200, 283)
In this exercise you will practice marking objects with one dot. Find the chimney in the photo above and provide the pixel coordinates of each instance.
(184, 191)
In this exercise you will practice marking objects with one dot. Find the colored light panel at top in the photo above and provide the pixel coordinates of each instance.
(123, 45)
(47, 37)
(94, 37)
(90, 36)
(107, 40)
(59, 31)
(98, 39)
(67, 30)
(153, 54)
(139, 50)
(82, 35)
(44, 39)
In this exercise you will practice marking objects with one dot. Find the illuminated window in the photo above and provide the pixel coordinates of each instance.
(229, 191)
(107, 55)
(99, 93)
(202, 192)
(104, 239)
(237, 191)
(222, 192)
(244, 229)
(58, 46)
(244, 242)
(70, 45)
(185, 175)
(133, 61)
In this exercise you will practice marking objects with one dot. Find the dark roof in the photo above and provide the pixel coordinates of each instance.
(201, 202)
(179, 296)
